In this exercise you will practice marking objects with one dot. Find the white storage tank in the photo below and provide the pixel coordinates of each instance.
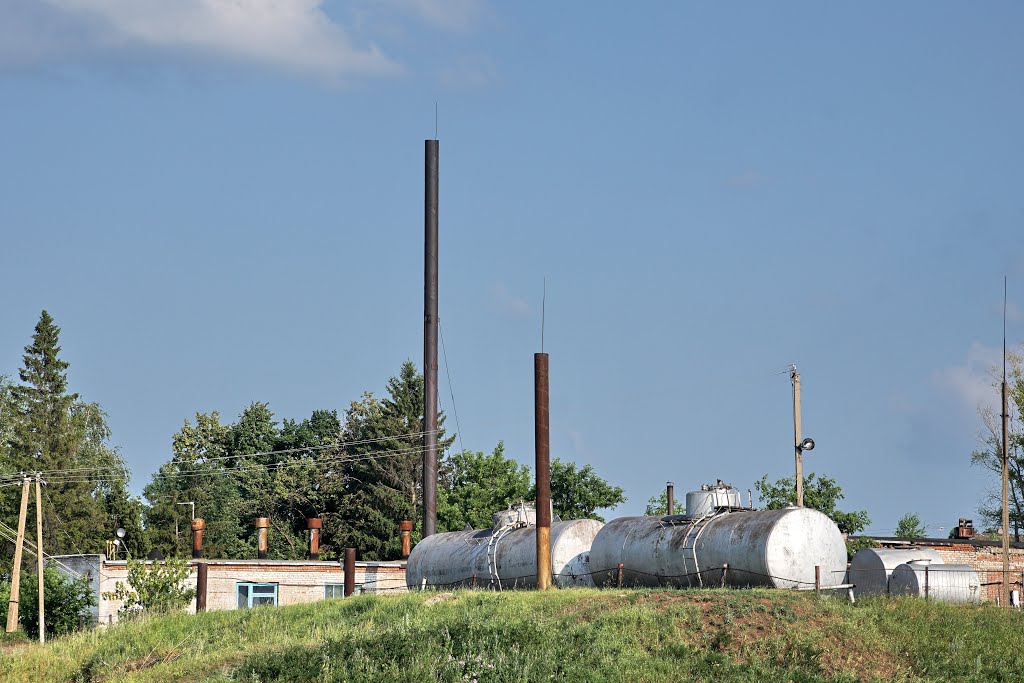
(710, 498)
(871, 567)
(504, 557)
(776, 548)
(956, 583)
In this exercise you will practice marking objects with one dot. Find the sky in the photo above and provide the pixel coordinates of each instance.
(221, 202)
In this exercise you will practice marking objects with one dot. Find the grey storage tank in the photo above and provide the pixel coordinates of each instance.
(871, 567)
(956, 583)
(775, 548)
(504, 556)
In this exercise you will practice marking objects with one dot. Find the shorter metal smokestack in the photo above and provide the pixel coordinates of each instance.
(262, 529)
(405, 526)
(670, 497)
(198, 524)
(314, 524)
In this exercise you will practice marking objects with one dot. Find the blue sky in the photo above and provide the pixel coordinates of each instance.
(222, 203)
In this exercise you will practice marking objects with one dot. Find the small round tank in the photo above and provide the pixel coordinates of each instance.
(776, 548)
(871, 567)
(710, 498)
(504, 557)
(956, 583)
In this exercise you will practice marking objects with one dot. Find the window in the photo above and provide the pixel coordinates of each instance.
(256, 594)
(337, 590)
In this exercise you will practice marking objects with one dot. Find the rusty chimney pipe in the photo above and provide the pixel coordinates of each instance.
(262, 528)
(670, 496)
(202, 574)
(198, 524)
(314, 524)
(405, 526)
(350, 571)
(542, 444)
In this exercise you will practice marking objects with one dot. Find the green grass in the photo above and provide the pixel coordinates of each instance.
(569, 635)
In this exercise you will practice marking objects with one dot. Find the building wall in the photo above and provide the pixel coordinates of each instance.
(298, 581)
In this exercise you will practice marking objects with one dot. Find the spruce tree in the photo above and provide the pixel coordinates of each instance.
(51, 430)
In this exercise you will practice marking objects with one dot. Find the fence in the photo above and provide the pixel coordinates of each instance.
(942, 583)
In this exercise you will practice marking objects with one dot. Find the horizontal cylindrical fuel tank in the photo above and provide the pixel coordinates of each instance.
(871, 567)
(502, 558)
(710, 498)
(957, 583)
(777, 548)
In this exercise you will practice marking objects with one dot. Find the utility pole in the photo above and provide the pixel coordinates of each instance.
(1006, 469)
(12, 605)
(39, 560)
(798, 450)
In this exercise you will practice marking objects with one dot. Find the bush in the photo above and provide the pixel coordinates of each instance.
(67, 601)
(160, 587)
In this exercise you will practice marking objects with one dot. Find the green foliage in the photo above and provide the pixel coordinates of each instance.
(45, 428)
(820, 493)
(855, 543)
(989, 457)
(657, 506)
(578, 493)
(475, 485)
(910, 526)
(158, 587)
(66, 605)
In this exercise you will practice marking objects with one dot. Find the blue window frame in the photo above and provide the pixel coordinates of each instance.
(337, 590)
(256, 594)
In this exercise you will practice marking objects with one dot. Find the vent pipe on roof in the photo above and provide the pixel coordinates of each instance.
(198, 524)
(314, 524)
(405, 526)
(262, 529)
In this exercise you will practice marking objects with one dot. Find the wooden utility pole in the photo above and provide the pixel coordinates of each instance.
(798, 450)
(12, 605)
(39, 561)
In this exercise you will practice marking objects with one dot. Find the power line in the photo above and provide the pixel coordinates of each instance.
(337, 444)
(451, 389)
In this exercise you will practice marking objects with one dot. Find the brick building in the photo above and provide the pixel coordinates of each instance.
(241, 584)
(984, 557)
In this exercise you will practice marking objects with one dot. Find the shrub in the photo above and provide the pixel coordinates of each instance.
(160, 587)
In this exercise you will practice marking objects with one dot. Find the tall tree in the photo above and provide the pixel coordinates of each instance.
(578, 492)
(386, 470)
(989, 456)
(820, 493)
(196, 476)
(475, 485)
(48, 429)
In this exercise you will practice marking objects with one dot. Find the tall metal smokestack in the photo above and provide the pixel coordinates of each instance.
(430, 172)
(542, 447)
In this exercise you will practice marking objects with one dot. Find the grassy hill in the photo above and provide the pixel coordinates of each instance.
(568, 635)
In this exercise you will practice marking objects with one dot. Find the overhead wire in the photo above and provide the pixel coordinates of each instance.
(451, 389)
(50, 474)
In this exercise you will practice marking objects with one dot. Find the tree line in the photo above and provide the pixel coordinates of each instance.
(359, 472)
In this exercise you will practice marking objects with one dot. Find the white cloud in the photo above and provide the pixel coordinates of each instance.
(451, 15)
(469, 72)
(292, 35)
(510, 303)
(973, 381)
